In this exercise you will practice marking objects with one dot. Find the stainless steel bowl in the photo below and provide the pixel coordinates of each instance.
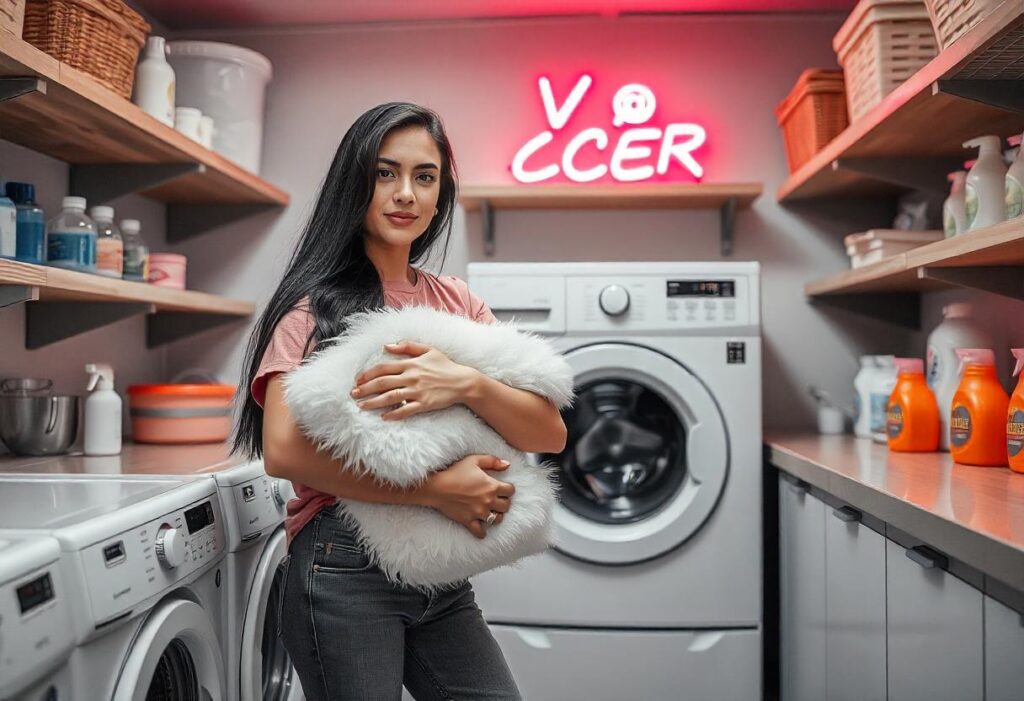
(39, 425)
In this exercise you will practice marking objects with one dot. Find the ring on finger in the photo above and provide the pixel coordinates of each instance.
(491, 518)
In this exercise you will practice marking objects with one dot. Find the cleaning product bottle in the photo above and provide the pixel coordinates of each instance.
(986, 184)
(31, 223)
(913, 416)
(1015, 417)
(8, 228)
(102, 412)
(957, 330)
(976, 427)
(1015, 181)
(881, 387)
(136, 254)
(109, 246)
(862, 396)
(954, 209)
(71, 237)
(154, 82)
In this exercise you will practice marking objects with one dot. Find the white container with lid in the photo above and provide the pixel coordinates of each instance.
(862, 395)
(71, 237)
(102, 434)
(153, 90)
(186, 120)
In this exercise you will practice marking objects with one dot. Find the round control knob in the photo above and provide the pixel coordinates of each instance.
(614, 300)
(170, 547)
(275, 489)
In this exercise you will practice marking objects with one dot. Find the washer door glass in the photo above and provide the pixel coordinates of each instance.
(646, 457)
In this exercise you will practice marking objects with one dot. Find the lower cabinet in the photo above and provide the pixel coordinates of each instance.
(1004, 652)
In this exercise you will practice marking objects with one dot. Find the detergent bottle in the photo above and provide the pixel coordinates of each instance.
(1015, 418)
(976, 428)
(912, 421)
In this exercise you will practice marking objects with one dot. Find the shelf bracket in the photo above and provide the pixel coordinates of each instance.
(102, 182)
(925, 173)
(487, 221)
(49, 322)
(14, 87)
(16, 294)
(1005, 94)
(728, 227)
(899, 309)
(1007, 281)
(187, 220)
(165, 327)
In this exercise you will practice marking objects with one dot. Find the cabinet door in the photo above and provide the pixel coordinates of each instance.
(855, 617)
(935, 636)
(802, 573)
(1004, 652)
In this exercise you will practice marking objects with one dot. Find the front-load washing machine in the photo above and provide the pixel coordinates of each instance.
(144, 561)
(653, 587)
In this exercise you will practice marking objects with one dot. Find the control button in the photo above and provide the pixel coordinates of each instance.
(691, 304)
(170, 547)
(614, 300)
(709, 304)
(275, 489)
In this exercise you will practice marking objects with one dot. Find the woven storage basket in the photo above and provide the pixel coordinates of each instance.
(951, 18)
(812, 114)
(100, 37)
(12, 14)
(881, 44)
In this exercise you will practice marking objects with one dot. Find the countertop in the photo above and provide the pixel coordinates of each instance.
(974, 514)
(135, 459)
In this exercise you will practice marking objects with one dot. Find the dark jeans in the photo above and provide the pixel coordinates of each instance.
(355, 636)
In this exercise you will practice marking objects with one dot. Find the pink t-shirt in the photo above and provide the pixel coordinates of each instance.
(288, 345)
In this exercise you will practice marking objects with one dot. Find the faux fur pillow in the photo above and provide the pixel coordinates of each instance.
(413, 544)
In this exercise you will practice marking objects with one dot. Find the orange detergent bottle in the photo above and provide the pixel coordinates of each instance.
(912, 420)
(1015, 418)
(976, 422)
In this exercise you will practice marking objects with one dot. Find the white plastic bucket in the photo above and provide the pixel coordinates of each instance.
(227, 83)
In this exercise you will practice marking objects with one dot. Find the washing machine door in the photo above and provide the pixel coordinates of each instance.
(646, 458)
(266, 671)
(175, 657)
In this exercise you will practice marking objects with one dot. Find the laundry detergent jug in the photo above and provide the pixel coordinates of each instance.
(976, 423)
(912, 421)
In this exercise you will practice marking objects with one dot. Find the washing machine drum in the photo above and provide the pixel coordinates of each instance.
(646, 458)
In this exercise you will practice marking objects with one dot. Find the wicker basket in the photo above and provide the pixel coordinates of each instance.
(881, 44)
(100, 37)
(812, 114)
(12, 14)
(951, 18)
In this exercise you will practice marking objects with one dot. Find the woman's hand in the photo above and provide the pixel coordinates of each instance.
(426, 381)
(467, 494)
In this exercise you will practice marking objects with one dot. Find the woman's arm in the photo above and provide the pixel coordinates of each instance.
(525, 420)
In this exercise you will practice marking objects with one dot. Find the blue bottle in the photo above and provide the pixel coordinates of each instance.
(31, 245)
(71, 238)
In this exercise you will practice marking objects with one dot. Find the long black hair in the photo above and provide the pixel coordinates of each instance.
(329, 263)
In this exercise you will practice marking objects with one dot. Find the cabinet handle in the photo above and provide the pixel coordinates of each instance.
(927, 558)
(847, 514)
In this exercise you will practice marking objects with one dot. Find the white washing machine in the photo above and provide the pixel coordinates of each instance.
(653, 589)
(144, 561)
(36, 638)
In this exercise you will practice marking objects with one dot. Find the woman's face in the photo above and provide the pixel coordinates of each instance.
(407, 187)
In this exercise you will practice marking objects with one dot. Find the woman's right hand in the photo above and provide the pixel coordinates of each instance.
(466, 493)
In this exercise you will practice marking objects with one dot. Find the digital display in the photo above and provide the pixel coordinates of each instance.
(701, 288)
(114, 552)
(34, 593)
(199, 517)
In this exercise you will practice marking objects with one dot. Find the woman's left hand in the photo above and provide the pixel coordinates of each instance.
(425, 381)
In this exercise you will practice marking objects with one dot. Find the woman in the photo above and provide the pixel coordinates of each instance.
(388, 197)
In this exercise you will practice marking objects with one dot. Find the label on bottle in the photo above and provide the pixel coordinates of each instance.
(135, 264)
(948, 221)
(109, 256)
(74, 249)
(971, 205)
(1015, 433)
(879, 406)
(894, 420)
(8, 231)
(31, 240)
(1014, 197)
(959, 426)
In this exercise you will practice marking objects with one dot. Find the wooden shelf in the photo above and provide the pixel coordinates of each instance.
(914, 136)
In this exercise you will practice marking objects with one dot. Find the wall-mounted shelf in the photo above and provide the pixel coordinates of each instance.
(990, 259)
(914, 136)
(64, 303)
(725, 197)
(115, 148)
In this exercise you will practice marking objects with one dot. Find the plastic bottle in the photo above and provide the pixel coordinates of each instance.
(71, 237)
(136, 254)
(102, 412)
(31, 223)
(862, 396)
(109, 246)
(986, 184)
(1015, 182)
(1015, 417)
(976, 430)
(8, 228)
(957, 330)
(154, 82)
(881, 389)
(912, 423)
(954, 209)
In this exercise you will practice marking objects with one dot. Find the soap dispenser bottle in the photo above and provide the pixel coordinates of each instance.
(986, 184)
(102, 412)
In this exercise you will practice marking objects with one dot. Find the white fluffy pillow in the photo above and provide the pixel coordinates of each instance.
(412, 544)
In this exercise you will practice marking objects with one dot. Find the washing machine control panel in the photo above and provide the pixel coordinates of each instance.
(259, 505)
(126, 569)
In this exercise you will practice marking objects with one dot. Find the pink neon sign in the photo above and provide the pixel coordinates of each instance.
(630, 159)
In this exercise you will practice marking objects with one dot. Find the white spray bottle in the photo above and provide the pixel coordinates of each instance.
(102, 412)
(986, 184)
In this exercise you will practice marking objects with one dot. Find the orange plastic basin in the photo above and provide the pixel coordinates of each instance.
(180, 413)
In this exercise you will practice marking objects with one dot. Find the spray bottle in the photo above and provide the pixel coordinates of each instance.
(986, 184)
(102, 412)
